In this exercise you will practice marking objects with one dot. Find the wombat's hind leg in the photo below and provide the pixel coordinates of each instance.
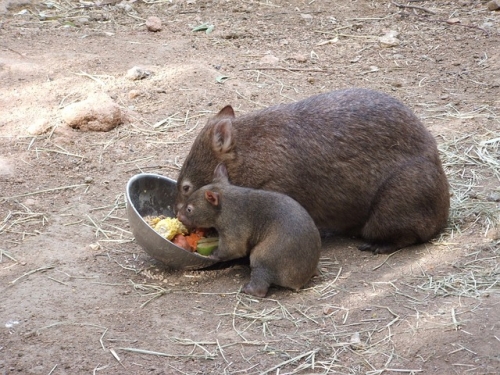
(256, 289)
(410, 207)
(259, 283)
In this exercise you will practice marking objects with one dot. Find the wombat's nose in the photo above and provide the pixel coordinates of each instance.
(183, 220)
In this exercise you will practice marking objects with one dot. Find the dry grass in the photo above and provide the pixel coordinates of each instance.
(472, 163)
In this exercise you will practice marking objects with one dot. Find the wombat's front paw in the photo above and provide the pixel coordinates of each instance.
(255, 290)
(378, 248)
(214, 257)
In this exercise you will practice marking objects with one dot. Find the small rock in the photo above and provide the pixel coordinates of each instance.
(299, 58)
(306, 16)
(487, 25)
(493, 5)
(389, 40)
(327, 310)
(356, 343)
(493, 234)
(30, 202)
(153, 24)
(95, 246)
(107, 2)
(88, 180)
(453, 21)
(495, 83)
(39, 127)
(494, 197)
(132, 94)
(96, 113)
(123, 5)
(355, 60)
(82, 21)
(136, 73)
(310, 80)
(269, 59)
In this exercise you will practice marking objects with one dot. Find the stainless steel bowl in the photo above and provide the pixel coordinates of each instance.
(154, 195)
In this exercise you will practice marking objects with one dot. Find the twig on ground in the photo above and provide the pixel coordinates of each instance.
(144, 351)
(413, 7)
(288, 69)
(300, 356)
(386, 259)
(32, 272)
(43, 191)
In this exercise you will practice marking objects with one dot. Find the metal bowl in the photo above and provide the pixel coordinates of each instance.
(154, 195)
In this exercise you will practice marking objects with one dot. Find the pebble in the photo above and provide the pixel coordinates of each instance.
(82, 21)
(95, 246)
(132, 94)
(136, 73)
(493, 5)
(389, 39)
(494, 197)
(30, 202)
(96, 113)
(327, 310)
(299, 58)
(39, 127)
(493, 234)
(153, 24)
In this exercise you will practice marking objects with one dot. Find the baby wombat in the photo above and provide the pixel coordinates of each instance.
(277, 232)
(359, 161)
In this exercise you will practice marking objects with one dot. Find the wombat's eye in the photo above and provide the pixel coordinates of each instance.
(189, 209)
(186, 188)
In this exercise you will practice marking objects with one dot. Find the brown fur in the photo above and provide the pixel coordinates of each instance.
(359, 161)
(277, 233)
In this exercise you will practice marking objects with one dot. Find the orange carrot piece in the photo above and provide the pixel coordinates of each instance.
(193, 239)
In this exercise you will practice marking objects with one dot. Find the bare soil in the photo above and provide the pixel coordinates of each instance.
(79, 296)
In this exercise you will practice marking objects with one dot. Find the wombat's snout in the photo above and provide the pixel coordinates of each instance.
(183, 219)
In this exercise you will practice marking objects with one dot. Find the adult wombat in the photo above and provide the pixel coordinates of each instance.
(359, 161)
(279, 235)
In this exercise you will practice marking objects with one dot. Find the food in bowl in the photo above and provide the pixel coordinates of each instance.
(173, 230)
(168, 227)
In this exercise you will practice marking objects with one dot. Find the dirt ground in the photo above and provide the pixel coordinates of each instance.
(79, 296)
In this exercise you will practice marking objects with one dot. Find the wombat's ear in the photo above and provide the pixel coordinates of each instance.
(220, 173)
(227, 111)
(222, 138)
(212, 197)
